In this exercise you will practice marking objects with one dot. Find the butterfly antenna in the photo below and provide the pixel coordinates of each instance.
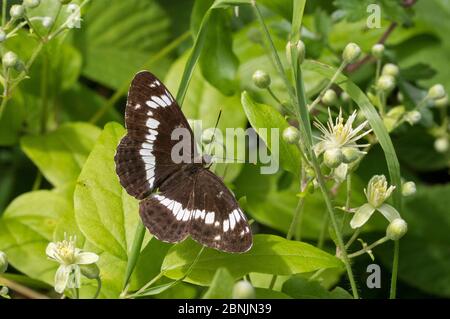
(214, 132)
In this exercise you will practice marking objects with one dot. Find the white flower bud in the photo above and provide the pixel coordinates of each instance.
(408, 188)
(351, 53)
(378, 50)
(441, 144)
(261, 79)
(386, 83)
(4, 291)
(10, 59)
(329, 98)
(31, 3)
(2, 35)
(47, 22)
(17, 11)
(243, 290)
(207, 136)
(345, 97)
(396, 229)
(400, 97)
(301, 51)
(3, 262)
(333, 157)
(351, 154)
(291, 135)
(436, 92)
(390, 69)
(442, 102)
(413, 117)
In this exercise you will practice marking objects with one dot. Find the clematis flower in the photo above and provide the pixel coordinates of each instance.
(377, 193)
(338, 140)
(70, 258)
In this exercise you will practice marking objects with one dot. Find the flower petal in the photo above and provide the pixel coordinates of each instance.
(86, 258)
(61, 278)
(389, 212)
(50, 251)
(362, 215)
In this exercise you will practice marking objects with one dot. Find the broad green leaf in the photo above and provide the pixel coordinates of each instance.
(27, 227)
(105, 213)
(263, 116)
(263, 293)
(370, 113)
(118, 37)
(269, 254)
(424, 250)
(221, 285)
(60, 154)
(217, 60)
(300, 287)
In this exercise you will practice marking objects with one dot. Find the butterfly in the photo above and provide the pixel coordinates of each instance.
(190, 199)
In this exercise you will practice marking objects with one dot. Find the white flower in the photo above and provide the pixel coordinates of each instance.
(74, 19)
(377, 193)
(337, 134)
(69, 257)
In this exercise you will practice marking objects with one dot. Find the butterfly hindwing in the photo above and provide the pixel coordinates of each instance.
(143, 158)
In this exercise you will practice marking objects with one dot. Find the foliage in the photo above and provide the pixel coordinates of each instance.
(61, 119)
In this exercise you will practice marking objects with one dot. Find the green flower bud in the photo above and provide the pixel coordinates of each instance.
(4, 291)
(17, 11)
(351, 53)
(2, 35)
(396, 229)
(64, 1)
(329, 98)
(90, 271)
(31, 3)
(441, 144)
(3, 262)
(10, 59)
(333, 157)
(390, 69)
(301, 51)
(47, 22)
(207, 136)
(408, 188)
(261, 79)
(443, 102)
(310, 172)
(436, 92)
(351, 154)
(378, 50)
(291, 135)
(400, 97)
(386, 83)
(345, 97)
(243, 290)
(413, 117)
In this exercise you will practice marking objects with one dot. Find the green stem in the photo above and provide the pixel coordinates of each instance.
(6, 90)
(76, 293)
(37, 181)
(272, 282)
(366, 249)
(4, 7)
(393, 290)
(123, 89)
(99, 287)
(347, 200)
(273, 95)
(134, 254)
(353, 238)
(296, 220)
(44, 93)
(323, 231)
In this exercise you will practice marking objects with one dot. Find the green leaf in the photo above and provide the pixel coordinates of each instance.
(60, 155)
(27, 227)
(217, 61)
(369, 111)
(221, 285)
(424, 250)
(269, 254)
(105, 213)
(263, 116)
(264, 293)
(301, 288)
(123, 34)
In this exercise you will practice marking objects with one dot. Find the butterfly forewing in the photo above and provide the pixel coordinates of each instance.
(191, 200)
(143, 158)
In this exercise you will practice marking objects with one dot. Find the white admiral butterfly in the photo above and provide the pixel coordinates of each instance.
(191, 199)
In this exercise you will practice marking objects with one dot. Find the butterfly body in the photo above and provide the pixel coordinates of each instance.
(191, 200)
